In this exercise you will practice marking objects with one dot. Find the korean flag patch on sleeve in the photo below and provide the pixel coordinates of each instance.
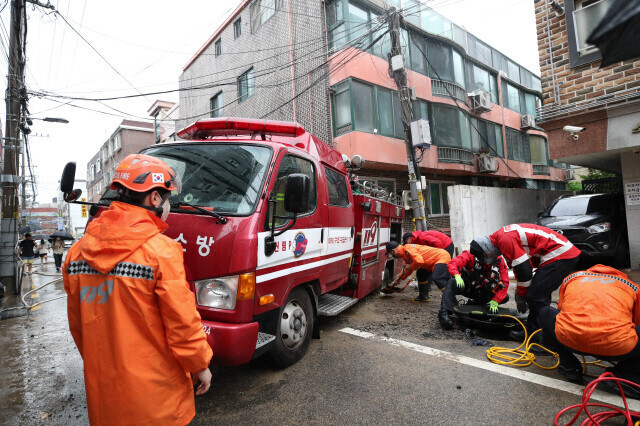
(157, 177)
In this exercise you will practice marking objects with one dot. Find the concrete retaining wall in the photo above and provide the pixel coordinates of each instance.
(481, 210)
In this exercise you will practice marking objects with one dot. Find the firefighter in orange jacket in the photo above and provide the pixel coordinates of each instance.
(598, 314)
(131, 313)
(430, 262)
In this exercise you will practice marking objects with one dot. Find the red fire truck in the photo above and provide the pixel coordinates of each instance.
(276, 231)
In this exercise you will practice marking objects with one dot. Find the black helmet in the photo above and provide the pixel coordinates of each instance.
(391, 245)
(406, 236)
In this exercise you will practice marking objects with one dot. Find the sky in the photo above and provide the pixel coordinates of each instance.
(142, 46)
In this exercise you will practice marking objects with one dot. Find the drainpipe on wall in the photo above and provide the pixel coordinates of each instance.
(556, 95)
(293, 87)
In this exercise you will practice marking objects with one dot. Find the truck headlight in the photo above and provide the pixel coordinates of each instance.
(223, 292)
(599, 227)
(217, 293)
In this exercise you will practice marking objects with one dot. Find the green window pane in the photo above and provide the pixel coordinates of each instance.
(342, 105)
(530, 101)
(358, 19)
(434, 189)
(363, 106)
(458, 68)
(538, 148)
(499, 143)
(465, 132)
(385, 110)
(397, 117)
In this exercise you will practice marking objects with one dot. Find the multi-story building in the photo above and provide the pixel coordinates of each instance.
(324, 64)
(44, 215)
(128, 138)
(600, 106)
(164, 115)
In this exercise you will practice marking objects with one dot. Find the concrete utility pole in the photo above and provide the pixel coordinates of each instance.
(16, 96)
(12, 145)
(396, 69)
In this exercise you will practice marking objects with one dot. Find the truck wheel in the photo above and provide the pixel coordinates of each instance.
(294, 328)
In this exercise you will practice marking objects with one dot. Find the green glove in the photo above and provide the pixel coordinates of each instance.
(493, 307)
(459, 281)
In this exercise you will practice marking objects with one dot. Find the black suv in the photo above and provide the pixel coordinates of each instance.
(595, 223)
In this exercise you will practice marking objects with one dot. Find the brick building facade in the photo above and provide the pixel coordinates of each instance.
(128, 138)
(603, 102)
(315, 62)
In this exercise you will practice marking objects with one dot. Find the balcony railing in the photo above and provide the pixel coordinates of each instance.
(541, 169)
(455, 155)
(443, 88)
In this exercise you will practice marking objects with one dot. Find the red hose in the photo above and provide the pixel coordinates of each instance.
(597, 418)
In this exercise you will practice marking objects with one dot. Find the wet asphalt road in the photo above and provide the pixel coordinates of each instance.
(343, 379)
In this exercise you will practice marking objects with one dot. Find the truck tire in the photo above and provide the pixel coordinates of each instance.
(294, 329)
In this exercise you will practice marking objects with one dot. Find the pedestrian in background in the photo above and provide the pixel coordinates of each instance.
(58, 251)
(131, 313)
(27, 252)
(43, 249)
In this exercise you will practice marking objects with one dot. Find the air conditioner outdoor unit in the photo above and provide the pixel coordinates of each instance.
(527, 122)
(487, 165)
(569, 174)
(480, 101)
(406, 200)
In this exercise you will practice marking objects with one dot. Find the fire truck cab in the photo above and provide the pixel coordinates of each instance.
(275, 232)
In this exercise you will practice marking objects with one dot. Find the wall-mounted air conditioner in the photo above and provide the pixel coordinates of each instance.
(487, 165)
(569, 174)
(527, 121)
(480, 101)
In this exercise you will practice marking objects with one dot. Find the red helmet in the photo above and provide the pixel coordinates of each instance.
(141, 173)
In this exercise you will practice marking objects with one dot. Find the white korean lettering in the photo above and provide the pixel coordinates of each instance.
(182, 241)
(204, 249)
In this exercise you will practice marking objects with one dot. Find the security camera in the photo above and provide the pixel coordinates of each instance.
(575, 136)
(573, 129)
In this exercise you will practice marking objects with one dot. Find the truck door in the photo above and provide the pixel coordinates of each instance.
(298, 252)
(340, 231)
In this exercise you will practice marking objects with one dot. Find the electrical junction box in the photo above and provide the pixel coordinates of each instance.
(421, 134)
(397, 63)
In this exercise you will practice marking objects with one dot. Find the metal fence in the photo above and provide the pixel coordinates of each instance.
(443, 88)
(455, 155)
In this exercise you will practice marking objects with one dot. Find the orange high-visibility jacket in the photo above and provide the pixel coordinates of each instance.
(599, 309)
(134, 320)
(422, 257)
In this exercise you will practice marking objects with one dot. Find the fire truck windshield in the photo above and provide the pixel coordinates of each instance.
(227, 178)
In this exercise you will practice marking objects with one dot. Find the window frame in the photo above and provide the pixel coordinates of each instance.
(237, 28)
(250, 90)
(575, 59)
(277, 4)
(217, 45)
(212, 113)
(440, 184)
(267, 223)
(327, 171)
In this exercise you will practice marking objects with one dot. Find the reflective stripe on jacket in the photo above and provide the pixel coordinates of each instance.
(599, 309)
(134, 320)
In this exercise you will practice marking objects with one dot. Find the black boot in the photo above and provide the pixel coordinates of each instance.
(423, 294)
(571, 369)
(445, 320)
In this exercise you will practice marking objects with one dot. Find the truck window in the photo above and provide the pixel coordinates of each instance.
(291, 164)
(337, 187)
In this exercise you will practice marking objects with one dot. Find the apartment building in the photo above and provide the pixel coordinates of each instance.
(324, 64)
(128, 138)
(591, 114)
(164, 115)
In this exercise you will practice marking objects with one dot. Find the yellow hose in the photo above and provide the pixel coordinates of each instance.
(520, 358)
(524, 358)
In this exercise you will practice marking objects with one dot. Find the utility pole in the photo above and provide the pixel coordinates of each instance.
(396, 69)
(16, 99)
(12, 145)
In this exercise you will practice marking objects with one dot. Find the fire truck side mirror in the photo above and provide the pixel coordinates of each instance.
(67, 180)
(296, 194)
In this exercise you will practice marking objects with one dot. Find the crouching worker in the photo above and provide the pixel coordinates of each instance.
(430, 238)
(484, 281)
(598, 314)
(431, 264)
(131, 313)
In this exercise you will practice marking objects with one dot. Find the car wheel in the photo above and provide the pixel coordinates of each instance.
(294, 329)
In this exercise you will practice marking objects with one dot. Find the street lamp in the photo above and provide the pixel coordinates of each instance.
(52, 119)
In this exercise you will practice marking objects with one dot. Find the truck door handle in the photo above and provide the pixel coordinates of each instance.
(322, 236)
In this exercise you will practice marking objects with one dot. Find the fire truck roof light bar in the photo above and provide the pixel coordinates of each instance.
(233, 126)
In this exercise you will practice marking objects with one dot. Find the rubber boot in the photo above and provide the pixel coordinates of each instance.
(445, 319)
(423, 294)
